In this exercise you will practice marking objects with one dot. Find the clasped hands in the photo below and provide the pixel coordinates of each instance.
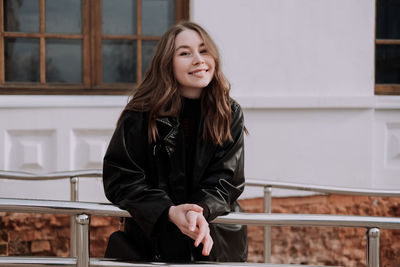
(190, 220)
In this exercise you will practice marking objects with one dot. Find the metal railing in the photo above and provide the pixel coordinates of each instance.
(74, 189)
(267, 185)
(82, 211)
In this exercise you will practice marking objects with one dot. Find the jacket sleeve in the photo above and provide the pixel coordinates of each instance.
(223, 180)
(124, 175)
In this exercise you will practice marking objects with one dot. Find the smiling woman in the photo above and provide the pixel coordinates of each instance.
(175, 161)
(193, 65)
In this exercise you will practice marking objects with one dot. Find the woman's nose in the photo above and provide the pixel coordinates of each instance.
(198, 59)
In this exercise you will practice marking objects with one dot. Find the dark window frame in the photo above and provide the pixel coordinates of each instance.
(385, 89)
(91, 37)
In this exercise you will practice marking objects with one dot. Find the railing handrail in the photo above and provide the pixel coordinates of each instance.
(101, 262)
(249, 182)
(13, 175)
(100, 209)
(326, 189)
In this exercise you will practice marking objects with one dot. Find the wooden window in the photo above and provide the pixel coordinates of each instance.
(387, 48)
(80, 46)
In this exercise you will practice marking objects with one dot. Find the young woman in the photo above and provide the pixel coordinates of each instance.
(175, 161)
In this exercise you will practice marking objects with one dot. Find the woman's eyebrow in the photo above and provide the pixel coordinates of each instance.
(181, 47)
(187, 46)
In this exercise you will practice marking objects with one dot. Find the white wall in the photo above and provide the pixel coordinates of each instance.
(293, 47)
(303, 70)
(42, 134)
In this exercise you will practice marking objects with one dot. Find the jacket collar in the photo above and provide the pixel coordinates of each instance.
(168, 128)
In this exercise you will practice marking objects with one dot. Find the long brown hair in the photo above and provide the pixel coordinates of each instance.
(158, 93)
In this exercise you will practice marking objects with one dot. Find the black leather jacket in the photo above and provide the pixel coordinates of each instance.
(146, 179)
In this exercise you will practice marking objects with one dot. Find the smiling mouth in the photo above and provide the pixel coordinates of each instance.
(198, 71)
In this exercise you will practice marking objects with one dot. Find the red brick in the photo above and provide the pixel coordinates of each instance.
(3, 249)
(60, 247)
(99, 221)
(18, 248)
(40, 246)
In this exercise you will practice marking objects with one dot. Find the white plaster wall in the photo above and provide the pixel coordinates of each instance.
(305, 71)
(41, 134)
(331, 147)
(387, 143)
(293, 47)
(301, 69)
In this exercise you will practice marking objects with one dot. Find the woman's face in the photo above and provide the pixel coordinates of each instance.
(192, 64)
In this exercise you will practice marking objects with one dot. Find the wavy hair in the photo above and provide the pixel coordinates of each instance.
(158, 93)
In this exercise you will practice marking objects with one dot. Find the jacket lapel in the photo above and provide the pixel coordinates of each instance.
(171, 136)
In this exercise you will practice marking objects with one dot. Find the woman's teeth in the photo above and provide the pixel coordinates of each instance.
(199, 72)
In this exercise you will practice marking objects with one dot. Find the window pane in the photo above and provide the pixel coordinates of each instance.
(387, 64)
(148, 49)
(21, 15)
(63, 60)
(64, 16)
(119, 61)
(157, 16)
(119, 17)
(22, 60)
(388, 19)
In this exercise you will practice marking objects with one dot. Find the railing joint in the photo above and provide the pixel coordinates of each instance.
(82, 244)
(373, 235)
(267, 228)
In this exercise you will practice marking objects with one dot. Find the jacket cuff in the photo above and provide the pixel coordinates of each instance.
(162, 222)
(206, 210)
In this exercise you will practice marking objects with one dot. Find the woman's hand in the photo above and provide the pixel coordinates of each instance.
(190, 220)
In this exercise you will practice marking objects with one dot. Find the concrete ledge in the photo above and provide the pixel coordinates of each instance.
(247, 102)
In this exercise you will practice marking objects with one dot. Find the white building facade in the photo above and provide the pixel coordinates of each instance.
(302, 70)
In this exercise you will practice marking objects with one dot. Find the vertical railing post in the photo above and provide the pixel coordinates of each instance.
(373, 247)
(73, 227)
(82, 242)
(267, 228)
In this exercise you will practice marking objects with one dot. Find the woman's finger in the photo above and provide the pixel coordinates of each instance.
(203, 230)
(193, 207)
(207, 245)
(192, 218)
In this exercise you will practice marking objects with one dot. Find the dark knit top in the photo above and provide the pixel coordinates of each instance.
(190, 118)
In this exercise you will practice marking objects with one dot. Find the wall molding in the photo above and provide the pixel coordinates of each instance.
(307, 102)
(49, 101)
(247, 102)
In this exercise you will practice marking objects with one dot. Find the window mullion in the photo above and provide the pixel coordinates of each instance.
(2, 69)
(181, 10)
(42, 42)
(388, 41)
(139, 41)
(86, 42)
(96, 66)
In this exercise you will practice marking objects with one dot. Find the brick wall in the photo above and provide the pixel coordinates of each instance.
(48, 235)
(326, 245)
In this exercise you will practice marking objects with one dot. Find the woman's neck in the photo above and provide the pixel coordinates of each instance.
(192, 93)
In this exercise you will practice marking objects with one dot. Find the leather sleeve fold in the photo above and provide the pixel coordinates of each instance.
(124, 176)
(223, 181)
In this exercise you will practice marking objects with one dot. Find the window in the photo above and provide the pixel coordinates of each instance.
(80, 46)
(387, 50)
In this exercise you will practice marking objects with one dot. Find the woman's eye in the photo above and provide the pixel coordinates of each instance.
(184, 54)
(203, 51)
